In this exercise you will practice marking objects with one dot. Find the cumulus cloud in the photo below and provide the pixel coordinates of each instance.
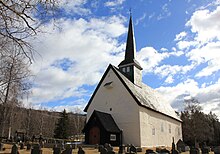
(180, 36)
(69, 56)
(204, 43)
(76, 6)
(209, 96)
(205, 24)
(114, 3)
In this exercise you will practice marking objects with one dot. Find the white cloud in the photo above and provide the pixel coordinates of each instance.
(140, 19)
(76, 6)
(114, 3)
(209, 96)
(165, 12)
(202, 45)
(205, 24)
(87, 45)
(180, 36)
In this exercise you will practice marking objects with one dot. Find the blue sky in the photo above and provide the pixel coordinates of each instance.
(178, 45)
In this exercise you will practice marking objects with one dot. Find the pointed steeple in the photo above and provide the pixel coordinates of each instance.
(130, 51)
(129, 65)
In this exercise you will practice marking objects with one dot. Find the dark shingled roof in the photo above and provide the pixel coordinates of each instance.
(107, 121)
(130, 48)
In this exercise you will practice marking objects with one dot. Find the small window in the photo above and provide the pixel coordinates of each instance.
(162, 129)
(153, 131)
(178, 131)
(123, 69)
(128, 69)
(110, 109)
(169, 128)
(112, 137)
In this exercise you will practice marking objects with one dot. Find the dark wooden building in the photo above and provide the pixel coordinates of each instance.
(101, 128)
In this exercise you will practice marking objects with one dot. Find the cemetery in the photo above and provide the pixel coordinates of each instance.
(61, 148)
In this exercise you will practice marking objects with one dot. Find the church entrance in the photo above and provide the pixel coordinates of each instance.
(94, 135)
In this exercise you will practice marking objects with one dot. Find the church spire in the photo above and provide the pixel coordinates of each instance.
(130, 46)
(129, 65)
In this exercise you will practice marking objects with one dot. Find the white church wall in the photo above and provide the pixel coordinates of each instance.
(157, 129)
(119, 103)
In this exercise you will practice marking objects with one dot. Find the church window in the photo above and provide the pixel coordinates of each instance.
(112, 137)
(169, 128)
(178, 131)
(162, 129)
(123, 69)
(153, 131)
(110, 109)
(128, 69)
(108, 85)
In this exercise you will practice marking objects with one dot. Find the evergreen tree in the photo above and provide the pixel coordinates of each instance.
(61, 129)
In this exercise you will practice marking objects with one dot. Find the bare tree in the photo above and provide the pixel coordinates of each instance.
(20, 20)
(13, 83)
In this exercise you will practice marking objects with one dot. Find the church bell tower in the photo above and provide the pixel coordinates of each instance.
(130, 67)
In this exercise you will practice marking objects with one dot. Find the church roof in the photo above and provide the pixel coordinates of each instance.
(145, 96)
(106, 121)
(130, 48)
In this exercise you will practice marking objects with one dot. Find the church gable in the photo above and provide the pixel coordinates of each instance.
(111, 95)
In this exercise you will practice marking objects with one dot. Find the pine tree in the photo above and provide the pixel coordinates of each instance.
(62, 125)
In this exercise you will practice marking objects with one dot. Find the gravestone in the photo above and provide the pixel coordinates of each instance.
(68, 150)
(1, 146)
(133, 149)
(217, 150)
(181, 146)
(14, 149)
(149, 151)
(28, 146)
(109, 147)
(81, 151)
(121, 149)
(100, 147)
(173, 150)
(205, 150)
(194, 150)
(103, 150)
(21, 145)
(164, 151)
(56, 150)
(36, 149)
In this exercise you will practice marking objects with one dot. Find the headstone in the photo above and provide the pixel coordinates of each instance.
(28, 146)
(164, 151)
(194, 150)
(109, 147)
(103, 151)
(133, 149)
(100, 147)
(187, 148)
(14, 149)
(1, 146)
(139, 149)
(181, 146)
(173, 150)
(56, 150)
(149, 151)
(121, 149)
(36, 149)
(68, 150)
(205, 150)
(217, 150)
(81, 151)
(21, 145)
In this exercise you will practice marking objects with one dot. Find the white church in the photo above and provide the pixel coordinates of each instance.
(123, 110)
